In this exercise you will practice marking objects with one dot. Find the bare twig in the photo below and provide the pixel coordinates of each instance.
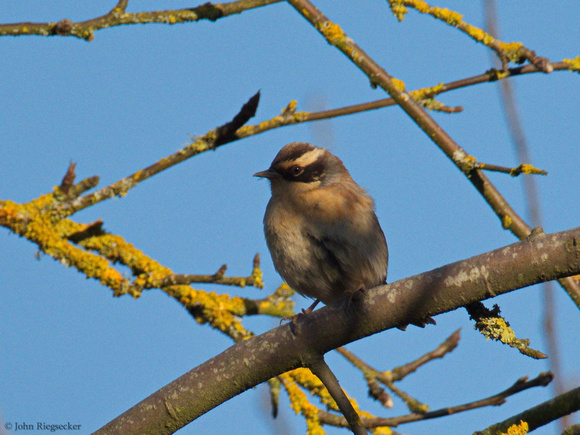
(397, 374)
(450, 343)
(69, 178)
(521, 384)
(254, 279)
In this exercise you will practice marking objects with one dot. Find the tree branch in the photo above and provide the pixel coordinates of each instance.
(118, 17)
(430, 92)
(259, 358)
(319, 367)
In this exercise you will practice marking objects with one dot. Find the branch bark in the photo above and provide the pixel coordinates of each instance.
(255, 360)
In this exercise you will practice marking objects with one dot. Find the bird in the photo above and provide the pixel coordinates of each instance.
(320, 226)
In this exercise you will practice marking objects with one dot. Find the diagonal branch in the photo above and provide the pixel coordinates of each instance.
(450, 343)
(259, 358)
(378, 76)
(214, 138)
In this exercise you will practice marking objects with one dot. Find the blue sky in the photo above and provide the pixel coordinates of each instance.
(70, 352)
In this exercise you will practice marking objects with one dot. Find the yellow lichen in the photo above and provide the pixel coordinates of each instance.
(526, 169)
(34, 220)
(399, 84)
(385, 430)
(511, 50)
(300, 404)
(398, 9)
(574, 64)
(497, 329)
(450, 17)
(332, 32)
(298, 400)
(517, 429)
(479, 35)
(419, 94)
(305, 378)
(291, 107)
(465, 162)
(40, 230)
(432, 104)
(495, 74)
(506, 221)
(420, 6)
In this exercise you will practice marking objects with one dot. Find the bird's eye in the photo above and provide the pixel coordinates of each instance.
(296, 170)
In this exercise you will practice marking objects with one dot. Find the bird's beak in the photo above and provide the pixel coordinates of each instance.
(268, 173)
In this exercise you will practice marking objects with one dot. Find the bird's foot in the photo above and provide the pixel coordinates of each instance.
(294, 318)
(420, 323)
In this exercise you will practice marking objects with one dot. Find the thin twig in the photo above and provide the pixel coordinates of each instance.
(450, 343)
(489, 76)
(521, 384)
(118, 17)
(398, 373)
(514, 172)
(254, 279)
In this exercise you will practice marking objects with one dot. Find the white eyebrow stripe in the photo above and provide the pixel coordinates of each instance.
(309, 157)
